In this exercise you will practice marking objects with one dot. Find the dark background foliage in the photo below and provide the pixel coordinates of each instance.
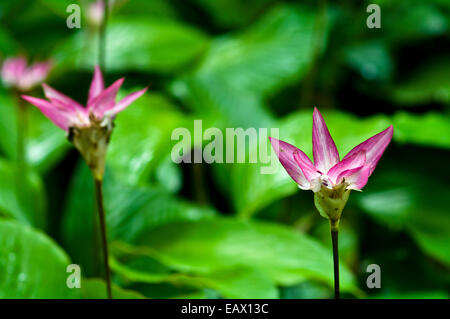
(225, 230)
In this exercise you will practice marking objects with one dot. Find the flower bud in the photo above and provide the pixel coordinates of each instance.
(92, 142)
(331, 202)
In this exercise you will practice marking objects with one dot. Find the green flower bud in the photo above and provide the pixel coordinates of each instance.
(331, 202)
(92, 142)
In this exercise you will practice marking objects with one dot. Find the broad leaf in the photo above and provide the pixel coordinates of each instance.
(284, 255)
(33, 266)
(137, 44)
(46, 143)
(234, 282)
(130, 211)
(94, 288)
(397, 198)
(142, 137)
(22, 197)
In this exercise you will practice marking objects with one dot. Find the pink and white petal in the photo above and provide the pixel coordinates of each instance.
(34, 75)
(308, 169)
(355, 161)
(62, 118)
(97, 85)
(13, 69)
(285, 153)
(39, 71)
(325, 152)
(125, 102)
(106, 99)
(60, 100)
(356, 178)
(374, 147)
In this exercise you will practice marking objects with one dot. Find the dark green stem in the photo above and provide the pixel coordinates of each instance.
(334, 239)
(101, 214)
(102, 37)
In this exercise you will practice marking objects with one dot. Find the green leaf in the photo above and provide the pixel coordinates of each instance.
(234, 282)
(285, 256)
(232, 13)
(413, 22)
(94, 288)
(240, 69)
(129, 212)
(46, 143)
(139, 44)
(371, 59)
(33, 266)
(397, 198)
(8, 45)
(415, 295)
(25, 201)
(429, 129)
(142, 137)
(429, 83)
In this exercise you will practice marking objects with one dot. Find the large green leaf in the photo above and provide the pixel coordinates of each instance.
(32, 265)
(430, 83)
(240, 69)
(232, 13)
(408, 21)
(46, 144)
(142, 137)
(137, 44)
(130, 211)
(397, 198)
(429, 129)
(372, 60)
(234, 282)
(94, 288)
(284, 255)
(22, 198)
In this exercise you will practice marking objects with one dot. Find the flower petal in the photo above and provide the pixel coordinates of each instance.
(357, 160)
(357, 177)
(62, 118)
(97, 85)
(325, 152)
(34, 75)
(60, 100)
(285, 153)
(125, 102)
(13, 69)
(106, 99)
(308, 169)
(374, 148)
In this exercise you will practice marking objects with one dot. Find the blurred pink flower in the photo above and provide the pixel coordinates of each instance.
(96, 12)
(16, 74)
(101, 104)
(328, 170)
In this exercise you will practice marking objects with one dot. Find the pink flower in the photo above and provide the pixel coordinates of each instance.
(96, 12)
(328, 171)
(67, 113)
(16, 74)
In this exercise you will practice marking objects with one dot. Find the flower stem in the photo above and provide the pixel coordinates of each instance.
(102, 37)
(101, 214)
(334, 239)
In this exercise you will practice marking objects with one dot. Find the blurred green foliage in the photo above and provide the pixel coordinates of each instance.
(225, 230)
